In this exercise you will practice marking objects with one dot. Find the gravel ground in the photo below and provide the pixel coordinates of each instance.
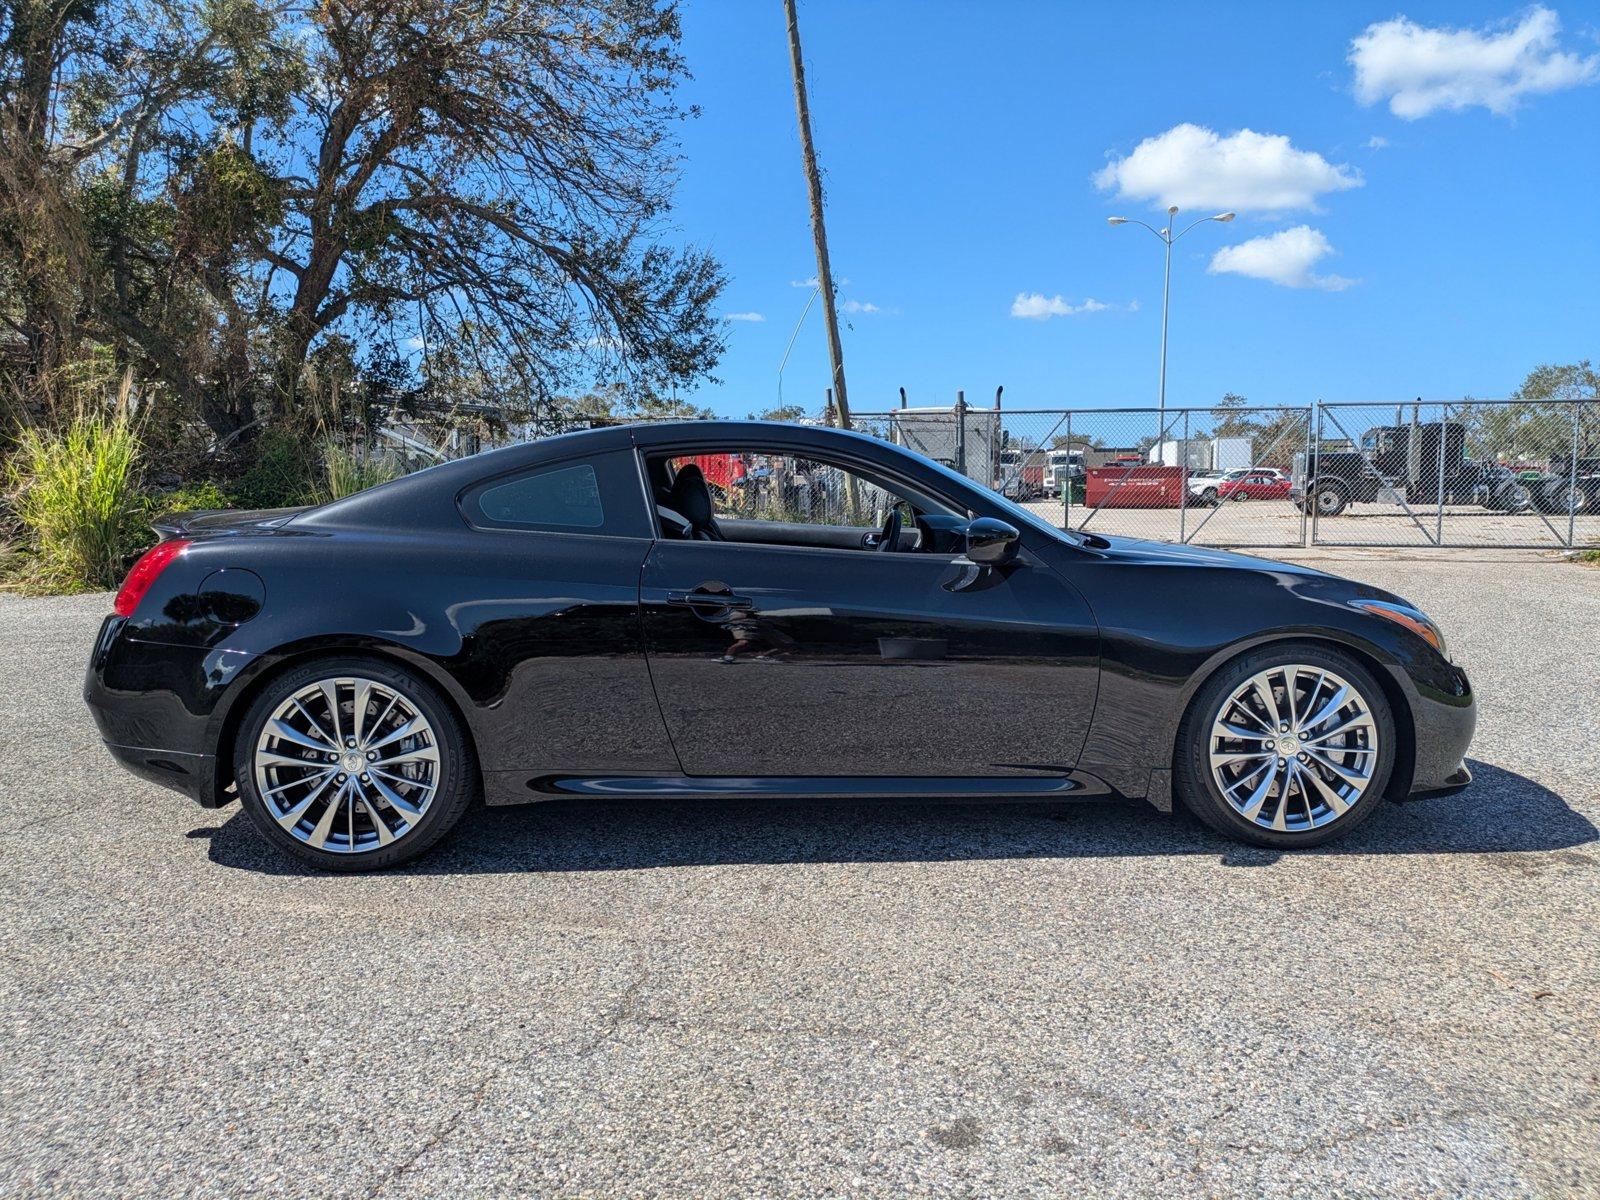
(732, 1000)
(1278, 523)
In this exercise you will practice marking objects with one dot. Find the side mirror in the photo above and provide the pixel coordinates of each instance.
(991, 542)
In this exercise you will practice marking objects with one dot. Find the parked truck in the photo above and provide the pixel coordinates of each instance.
(1417, 463)
(1063, 469)
(1022, 471)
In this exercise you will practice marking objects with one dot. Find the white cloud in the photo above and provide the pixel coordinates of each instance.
(1421, 70)
(1196, 168)
(744, 316)
(813, 282)
(1036, 306)
(1285, 258)
(1377, 142)
(858, 306)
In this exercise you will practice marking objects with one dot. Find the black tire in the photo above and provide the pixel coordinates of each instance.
(1209, 495)
(459, 782)
(1192, 778)
(1561, 498)
(1327, 499)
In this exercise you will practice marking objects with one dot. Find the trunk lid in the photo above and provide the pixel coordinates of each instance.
(223, 522)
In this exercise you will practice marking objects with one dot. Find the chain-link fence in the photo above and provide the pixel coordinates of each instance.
(1513, 473)
(1522, 473)
(1214, 477)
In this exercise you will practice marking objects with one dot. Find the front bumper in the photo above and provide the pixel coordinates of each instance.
(1444, 714)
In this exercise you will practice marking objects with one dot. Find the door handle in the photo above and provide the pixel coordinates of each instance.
(716, 600)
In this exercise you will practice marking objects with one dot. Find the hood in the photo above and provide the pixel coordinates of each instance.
(1138, 550)
(1304, 581)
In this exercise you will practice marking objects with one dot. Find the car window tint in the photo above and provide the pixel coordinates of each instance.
(600, 494)
(564, 496)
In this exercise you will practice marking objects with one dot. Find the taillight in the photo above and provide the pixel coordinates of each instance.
(145, 572)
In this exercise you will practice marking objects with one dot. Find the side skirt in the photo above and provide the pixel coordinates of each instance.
(511, 788)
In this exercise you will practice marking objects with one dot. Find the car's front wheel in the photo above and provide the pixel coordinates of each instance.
(352, 764)
(1288, 746)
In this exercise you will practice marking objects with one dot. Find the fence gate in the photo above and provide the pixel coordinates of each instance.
(1464, 473)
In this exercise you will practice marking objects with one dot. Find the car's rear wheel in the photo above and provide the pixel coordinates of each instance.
(1289, 746)
(352, 764)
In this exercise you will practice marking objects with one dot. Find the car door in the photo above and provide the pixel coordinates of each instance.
(828, 659)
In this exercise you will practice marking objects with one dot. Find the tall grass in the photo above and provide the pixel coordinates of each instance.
(346, 473)
(76, 493)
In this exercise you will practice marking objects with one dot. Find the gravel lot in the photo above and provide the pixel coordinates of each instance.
(805, 1000)
(1278, 523)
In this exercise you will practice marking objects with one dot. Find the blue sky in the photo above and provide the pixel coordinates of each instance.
(1435, 216)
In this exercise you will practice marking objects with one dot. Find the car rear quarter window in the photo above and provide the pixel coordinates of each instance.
(599, 494)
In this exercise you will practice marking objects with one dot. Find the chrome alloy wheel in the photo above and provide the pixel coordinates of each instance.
(347, 765)
(1294, 748)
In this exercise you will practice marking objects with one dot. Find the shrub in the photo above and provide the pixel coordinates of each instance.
(346, 473)
(282, 475)
(191, 497)
(77, 497)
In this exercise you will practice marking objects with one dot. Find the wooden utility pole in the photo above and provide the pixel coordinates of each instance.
(819, 232)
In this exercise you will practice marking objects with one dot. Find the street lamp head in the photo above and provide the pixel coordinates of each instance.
(1116, 220)
(1172, 211)
(1224, 217)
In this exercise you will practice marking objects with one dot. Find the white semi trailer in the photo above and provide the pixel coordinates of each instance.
(970, 446)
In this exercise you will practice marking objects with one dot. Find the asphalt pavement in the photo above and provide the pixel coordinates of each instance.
(819, 1000)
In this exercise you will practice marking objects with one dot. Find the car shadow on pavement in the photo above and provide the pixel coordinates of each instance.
(1502, 812)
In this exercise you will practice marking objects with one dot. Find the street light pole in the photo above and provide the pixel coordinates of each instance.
(1166, 308)
(1167, 237)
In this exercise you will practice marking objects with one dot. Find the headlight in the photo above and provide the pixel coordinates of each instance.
(1414, 619)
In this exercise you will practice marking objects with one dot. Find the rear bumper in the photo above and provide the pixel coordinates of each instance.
(195, 775)
(152, 703)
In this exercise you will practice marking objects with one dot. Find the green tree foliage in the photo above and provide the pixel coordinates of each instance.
(1275, 434)
(1539, 426)
(783, 412)
(475, 195)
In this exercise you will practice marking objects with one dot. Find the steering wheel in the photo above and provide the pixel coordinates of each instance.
(889, 539)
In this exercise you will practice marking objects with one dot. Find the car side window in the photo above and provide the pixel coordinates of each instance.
(787, 488)
(566, 496)
(600, 494)
(776, 497)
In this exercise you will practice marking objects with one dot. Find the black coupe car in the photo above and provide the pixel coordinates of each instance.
(742, 609)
